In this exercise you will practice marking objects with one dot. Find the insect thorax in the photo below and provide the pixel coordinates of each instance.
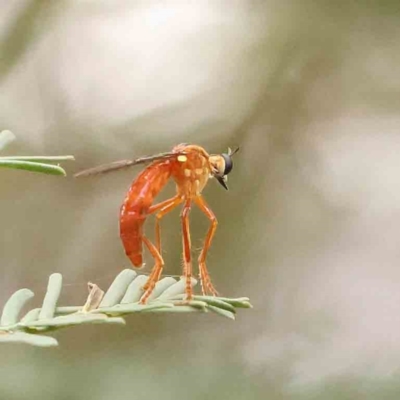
(191, 172)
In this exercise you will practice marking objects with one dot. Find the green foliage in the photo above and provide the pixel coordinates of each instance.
(27, 163)
(122, 298)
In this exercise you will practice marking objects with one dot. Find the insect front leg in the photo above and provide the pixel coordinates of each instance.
(205, 279)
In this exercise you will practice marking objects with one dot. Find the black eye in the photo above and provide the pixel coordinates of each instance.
(228, 163)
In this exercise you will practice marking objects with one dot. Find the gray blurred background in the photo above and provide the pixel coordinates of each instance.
(310, 228)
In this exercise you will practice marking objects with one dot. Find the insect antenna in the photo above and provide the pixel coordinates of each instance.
(232, 152)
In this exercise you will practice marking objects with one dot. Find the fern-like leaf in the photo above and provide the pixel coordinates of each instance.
(121, 299)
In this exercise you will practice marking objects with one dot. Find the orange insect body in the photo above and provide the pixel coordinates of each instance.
(136, 208)
(191, 167)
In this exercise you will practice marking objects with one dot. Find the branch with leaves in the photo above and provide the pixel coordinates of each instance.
(121, 299)
(30, 163)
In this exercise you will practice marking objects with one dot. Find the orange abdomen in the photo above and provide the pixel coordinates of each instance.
(134, 210)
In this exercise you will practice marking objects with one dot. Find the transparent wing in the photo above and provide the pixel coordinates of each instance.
(116, 165)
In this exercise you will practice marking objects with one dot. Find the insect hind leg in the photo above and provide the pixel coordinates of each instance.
(155, 273)
(161, 209)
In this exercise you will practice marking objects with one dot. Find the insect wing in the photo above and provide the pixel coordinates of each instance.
(101, 169)
(116, 165)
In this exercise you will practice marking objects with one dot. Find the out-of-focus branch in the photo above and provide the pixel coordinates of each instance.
(30, 163)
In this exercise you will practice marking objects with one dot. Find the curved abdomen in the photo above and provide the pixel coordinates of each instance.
(135, 208)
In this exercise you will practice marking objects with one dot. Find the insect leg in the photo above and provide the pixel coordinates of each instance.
(163, 208)
(204, 275)
(157, 269)
(187, 257)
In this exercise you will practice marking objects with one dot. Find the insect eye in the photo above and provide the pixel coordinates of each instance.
(228, 163)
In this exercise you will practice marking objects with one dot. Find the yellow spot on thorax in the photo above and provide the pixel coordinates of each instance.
(182, 158)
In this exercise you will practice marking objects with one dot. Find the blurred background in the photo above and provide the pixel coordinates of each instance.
(309, 230)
